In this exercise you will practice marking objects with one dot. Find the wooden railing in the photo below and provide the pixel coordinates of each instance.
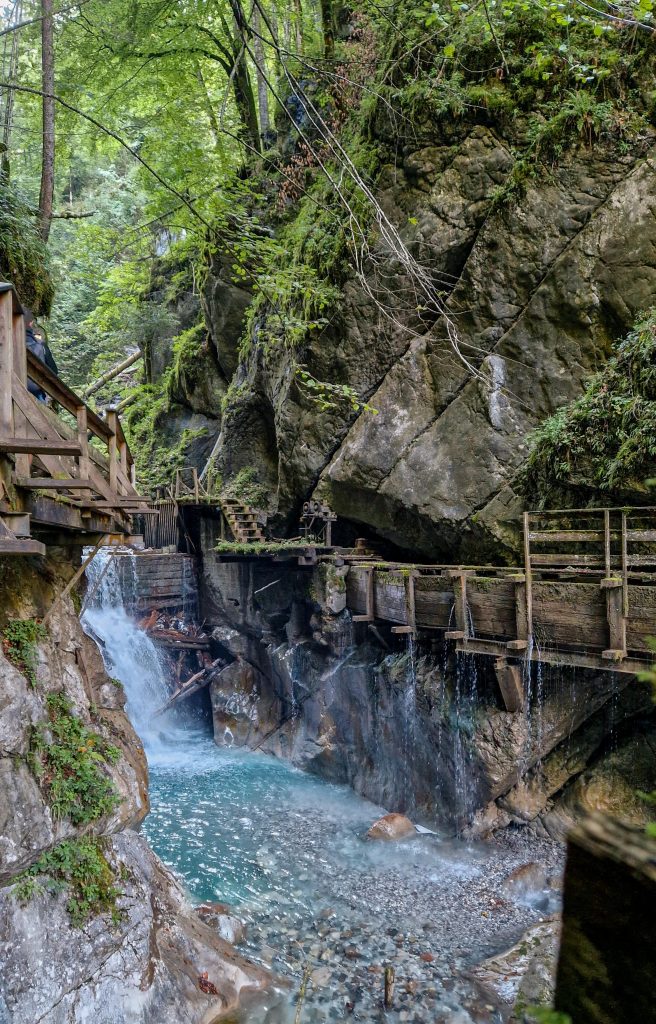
(47, 447)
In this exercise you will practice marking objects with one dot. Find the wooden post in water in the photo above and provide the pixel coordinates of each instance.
(388, 998)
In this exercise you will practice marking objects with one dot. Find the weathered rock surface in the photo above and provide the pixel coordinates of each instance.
(68, 661)
(523, 976)
(144, 967)
(539, 289)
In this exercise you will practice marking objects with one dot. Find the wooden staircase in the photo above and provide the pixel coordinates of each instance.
(242, 520)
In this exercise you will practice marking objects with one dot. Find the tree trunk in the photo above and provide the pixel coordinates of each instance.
(328, 22)
(48, 148)
(245, 99)
(209, 109)
(260, 64)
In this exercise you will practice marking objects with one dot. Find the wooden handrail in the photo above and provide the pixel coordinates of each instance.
(61, 393)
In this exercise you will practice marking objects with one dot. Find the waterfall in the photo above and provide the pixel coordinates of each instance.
(128, 652)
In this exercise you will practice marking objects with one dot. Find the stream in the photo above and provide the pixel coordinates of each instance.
(285, 850)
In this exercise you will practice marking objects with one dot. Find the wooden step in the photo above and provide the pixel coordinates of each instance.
(38, 446)
(48, 483)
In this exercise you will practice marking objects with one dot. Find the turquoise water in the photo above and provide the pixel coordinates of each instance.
(286, 851)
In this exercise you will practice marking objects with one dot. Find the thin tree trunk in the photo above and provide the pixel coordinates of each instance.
(299, 26)
(260, 66)
(209, 109)
(46, 194)
(328, 22)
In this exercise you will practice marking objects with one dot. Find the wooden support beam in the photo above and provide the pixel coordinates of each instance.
(370, 614)
(17, 546)
(410, 610)
(400, 630)
(528, 593)
(461, 609)
(614, 590)
(38, 446)
(511, 685)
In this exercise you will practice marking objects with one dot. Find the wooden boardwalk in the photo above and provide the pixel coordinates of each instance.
(585, 596)
(62, 466)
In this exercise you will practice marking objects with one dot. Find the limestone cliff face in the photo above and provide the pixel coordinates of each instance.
(141, 963)
(539, 288)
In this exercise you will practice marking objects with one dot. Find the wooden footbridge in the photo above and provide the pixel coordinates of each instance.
(62, 467)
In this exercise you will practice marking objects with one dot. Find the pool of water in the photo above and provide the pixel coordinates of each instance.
(287, 852)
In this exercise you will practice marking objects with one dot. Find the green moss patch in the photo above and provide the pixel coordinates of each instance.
(80, 868)
(19, 645)
(604, 443)
(71, 762)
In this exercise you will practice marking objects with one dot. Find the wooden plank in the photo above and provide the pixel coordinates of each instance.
(38, 445)
(46, 483)
(566, 536)
(565, 559)
(641, 536)
(10, 546)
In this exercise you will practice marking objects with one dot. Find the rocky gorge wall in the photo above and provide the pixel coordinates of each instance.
(91, 922)
(539, 281)
(409, 724)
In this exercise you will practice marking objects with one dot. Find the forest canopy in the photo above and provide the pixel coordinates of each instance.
(141, 138)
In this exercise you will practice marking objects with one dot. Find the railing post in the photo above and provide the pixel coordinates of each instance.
(529, 578)
(23, 462)
(6, 364)
(112, 423)
(83, 441)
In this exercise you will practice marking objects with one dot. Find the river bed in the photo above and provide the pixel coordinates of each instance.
(286, 851)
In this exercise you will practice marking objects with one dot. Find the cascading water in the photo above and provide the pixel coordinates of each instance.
(129, 654)
(285, 849)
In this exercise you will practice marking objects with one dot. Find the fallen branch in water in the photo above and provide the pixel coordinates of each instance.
(192, 685)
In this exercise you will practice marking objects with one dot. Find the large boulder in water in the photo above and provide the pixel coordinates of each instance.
(390, 827)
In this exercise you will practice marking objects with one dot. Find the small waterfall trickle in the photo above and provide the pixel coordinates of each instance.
(464, 706)
(410, 716)
(128, 653)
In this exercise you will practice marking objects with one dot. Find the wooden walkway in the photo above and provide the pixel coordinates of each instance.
(585, 596)
(62, 466)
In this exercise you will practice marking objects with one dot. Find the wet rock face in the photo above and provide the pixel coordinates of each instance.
(145, 967)
(69, 662)
(539, 289)
(417, 731)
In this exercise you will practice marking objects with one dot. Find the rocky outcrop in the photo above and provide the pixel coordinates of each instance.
(153, 962)
(142, 956)
(538, 287)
